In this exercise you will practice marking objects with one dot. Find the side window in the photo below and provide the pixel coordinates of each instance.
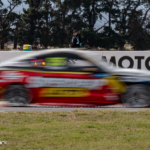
(64, 62)
(79, 63)
(54, 62)
(83, 65)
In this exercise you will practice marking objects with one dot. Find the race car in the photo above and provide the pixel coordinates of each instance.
(65, 77)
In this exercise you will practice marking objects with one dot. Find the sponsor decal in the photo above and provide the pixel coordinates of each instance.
(115, 85)
(56, 61)
(72, 61)
(37, 60)
(8, 76)
(137, 60)
(64, 92)
(134, 79)
(35, 82)
(112, 97)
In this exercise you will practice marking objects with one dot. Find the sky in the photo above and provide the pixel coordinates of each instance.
(17, 9)
(20, 7)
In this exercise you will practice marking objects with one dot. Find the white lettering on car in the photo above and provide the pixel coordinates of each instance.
(134, 79)
(35, 82)
(9, 76)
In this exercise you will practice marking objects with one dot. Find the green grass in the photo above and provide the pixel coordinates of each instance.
(76, 130)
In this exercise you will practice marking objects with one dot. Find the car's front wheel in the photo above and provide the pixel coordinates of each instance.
(137, 96)
(16, 95)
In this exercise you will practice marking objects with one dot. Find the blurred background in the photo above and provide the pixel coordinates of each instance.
(102, 24)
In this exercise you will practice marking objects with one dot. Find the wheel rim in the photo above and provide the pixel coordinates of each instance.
(137, 98)
(16, 95)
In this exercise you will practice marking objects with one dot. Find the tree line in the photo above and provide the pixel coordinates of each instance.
(101, 23)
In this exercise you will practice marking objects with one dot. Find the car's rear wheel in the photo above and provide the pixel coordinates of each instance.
(16, 95)
(137, 96)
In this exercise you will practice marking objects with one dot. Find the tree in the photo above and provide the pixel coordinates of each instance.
(110, 8)
(45, 23)
(139, 29)
(30, 18)
(51, 22)
(6, 20)
(67, 18)
(16, 30)
(91, 12)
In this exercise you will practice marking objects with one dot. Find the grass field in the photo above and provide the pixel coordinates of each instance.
(76, 130)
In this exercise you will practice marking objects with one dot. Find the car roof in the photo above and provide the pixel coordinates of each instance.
(43, 52)
(48, 51)
(73, 51)
(81, 53)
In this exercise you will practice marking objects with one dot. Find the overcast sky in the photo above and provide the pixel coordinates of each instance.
(17, 9)
(20, 7)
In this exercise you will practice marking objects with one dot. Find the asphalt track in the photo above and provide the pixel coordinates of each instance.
(51, 109)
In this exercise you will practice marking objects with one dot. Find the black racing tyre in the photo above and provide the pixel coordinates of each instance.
(16, 95)
(137, 95)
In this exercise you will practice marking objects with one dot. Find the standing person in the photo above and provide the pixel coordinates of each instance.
(76, 40)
